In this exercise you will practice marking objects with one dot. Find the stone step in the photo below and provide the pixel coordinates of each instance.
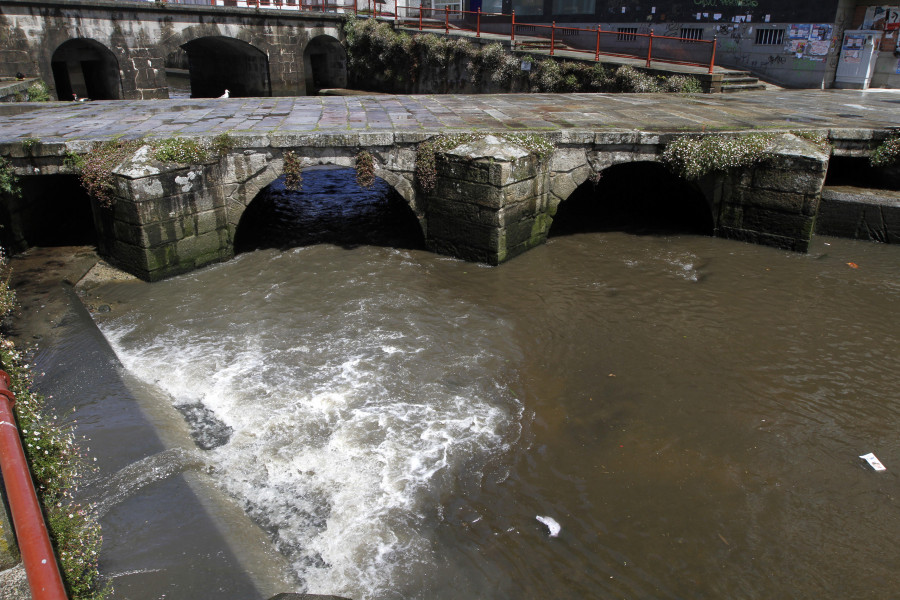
(742, 87)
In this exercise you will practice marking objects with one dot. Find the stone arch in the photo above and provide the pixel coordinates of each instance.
(86, 68)
(325, 64)
(218, 63)
(635, 194)
(249, 174)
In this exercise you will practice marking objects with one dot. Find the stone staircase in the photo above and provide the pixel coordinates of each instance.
(740, 81)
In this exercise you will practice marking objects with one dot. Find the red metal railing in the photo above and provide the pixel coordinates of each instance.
(31, 531)
(648, 47)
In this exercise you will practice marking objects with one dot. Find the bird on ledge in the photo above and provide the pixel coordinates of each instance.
(75, 98)
(225, 95)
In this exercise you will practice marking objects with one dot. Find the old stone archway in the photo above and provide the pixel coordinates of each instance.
(86, 68)
(220, 63)
(331, 208)
(325, 64)
(640, 196)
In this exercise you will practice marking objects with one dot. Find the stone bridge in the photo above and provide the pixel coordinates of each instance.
(494, 196)
(120, 50)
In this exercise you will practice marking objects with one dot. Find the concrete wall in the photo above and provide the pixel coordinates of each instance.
(140, 35)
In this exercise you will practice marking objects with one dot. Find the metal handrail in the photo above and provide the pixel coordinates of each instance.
(41, 568)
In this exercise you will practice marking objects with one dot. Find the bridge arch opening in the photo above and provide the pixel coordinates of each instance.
(325, 64)
(637, 197)
(329, 208)
(53, 210)
(219, 63)
(86, 68)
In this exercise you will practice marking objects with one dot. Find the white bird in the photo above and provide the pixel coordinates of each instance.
(225, 95)
(551, 524)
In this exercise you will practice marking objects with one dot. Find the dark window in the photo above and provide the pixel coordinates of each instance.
(692, 33)
(626, 34)
(769, 37)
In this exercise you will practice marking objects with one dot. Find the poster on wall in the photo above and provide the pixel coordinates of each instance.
(882, 18)
(798, 32)
(820, 32)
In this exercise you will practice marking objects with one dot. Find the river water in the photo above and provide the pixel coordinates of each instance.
(690, 410)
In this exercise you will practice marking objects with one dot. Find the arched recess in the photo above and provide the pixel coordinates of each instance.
(640, 197)
(86, 68)
(329, 207)
(325, 64)
(219, 63)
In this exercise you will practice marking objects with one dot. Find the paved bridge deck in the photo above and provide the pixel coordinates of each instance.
(61, 122)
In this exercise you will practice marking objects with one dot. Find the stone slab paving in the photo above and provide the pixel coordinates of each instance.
(431, 114)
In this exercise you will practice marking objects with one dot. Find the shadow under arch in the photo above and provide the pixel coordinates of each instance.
(325, 64)
(638, 197)
(218, 63)
(330, 207)
(87, 68)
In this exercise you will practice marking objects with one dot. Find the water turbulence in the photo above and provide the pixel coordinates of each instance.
(688, 411)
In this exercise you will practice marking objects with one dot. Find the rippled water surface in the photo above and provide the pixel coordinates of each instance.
(690, 410)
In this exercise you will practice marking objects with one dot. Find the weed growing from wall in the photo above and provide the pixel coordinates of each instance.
(57, 467)
(185, 151)
(29, 144)
(293, 176)
(365, 169)
(38, 92)
(96, 171)
(888, 153)
(9, 181)
(694, 157)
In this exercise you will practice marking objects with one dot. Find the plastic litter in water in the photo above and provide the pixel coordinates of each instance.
(551, 524)
(873, 461)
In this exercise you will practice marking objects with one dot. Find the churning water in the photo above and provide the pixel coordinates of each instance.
(689, 410)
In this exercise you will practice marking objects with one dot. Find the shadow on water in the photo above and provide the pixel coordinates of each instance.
(162, 534)
(640, 198)
(329, 208)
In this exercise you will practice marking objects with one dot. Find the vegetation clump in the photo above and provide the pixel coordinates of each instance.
(38, 92)
(179, 150)
(57, 467)
(365, 169)
(693, 157)
(293, 177)
(888, 153)
(96, 170)
(29, 144)
(9, 181)
(401, 60)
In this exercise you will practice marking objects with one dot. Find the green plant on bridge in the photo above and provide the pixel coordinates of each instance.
(73, 160)
(97, 170)
(57, 467)
(293, 172)
(9, 181)
(184, 151)
(38, 92)
(693, 157)
(29, 144)
(365, 169)
(887, 153)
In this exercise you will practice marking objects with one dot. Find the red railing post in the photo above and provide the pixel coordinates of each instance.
(420, 17)
(447, 19)
(478, 24)
(355, 7)
(512, 31)
(650, 48)
(552, 37)
(28, 520)
(597, 52)
(712, 59)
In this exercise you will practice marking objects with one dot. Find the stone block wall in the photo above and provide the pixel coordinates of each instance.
(775, 202)
(489, 203)
(166, 219)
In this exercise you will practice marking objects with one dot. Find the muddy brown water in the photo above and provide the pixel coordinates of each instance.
(689, 410)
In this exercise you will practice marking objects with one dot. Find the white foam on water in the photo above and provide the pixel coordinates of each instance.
(343, 444)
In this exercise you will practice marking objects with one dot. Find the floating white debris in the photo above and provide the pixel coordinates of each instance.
(551, 524)
(872, 460)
